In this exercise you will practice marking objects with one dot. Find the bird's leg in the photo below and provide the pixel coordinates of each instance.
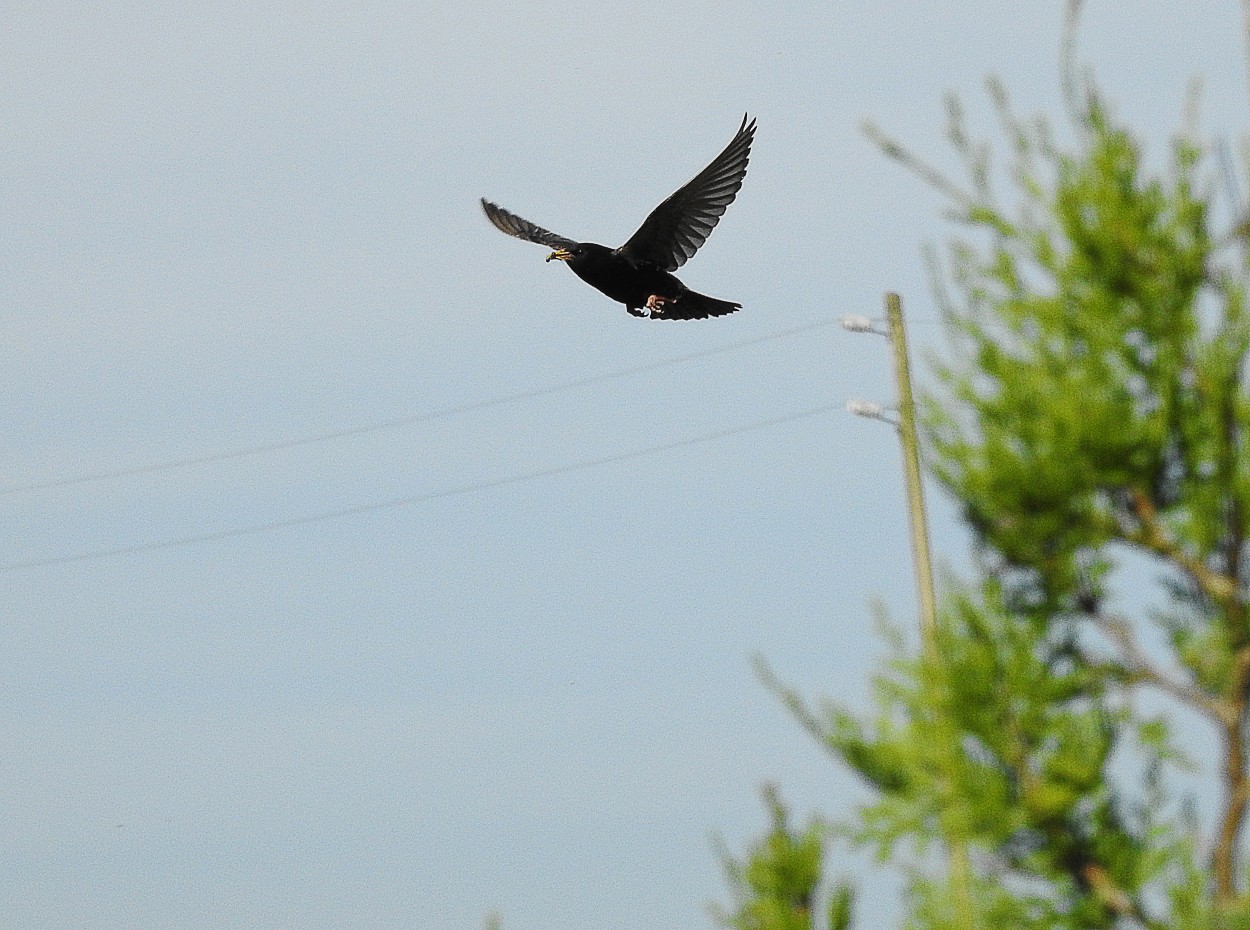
(656, 302)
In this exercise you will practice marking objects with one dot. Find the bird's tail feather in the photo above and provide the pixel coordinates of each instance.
(694, 306)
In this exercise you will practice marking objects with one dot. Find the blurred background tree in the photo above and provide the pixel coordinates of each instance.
(1090, 420)
(776, 887)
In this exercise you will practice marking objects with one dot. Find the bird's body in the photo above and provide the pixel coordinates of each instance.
(644, 289)
(640, 273)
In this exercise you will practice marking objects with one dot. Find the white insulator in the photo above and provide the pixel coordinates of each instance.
(858, 324)
(866, 408)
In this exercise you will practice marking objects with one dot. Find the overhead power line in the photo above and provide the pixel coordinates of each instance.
(255, 528)
(407, 420)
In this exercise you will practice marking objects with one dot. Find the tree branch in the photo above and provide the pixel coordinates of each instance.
(1225, 592)
(1144, 670)
(922, 169)
(1152, 536)
(1237, 792)
(1113, 897)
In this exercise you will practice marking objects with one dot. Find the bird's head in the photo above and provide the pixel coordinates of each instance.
(581, 254)
(567, 255)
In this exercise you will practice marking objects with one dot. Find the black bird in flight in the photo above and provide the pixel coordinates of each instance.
(640, 273)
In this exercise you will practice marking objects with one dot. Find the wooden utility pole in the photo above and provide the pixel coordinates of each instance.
(960, 868)
(911, 472)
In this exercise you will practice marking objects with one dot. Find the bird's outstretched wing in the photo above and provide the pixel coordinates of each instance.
(514, 225)
(677, 227)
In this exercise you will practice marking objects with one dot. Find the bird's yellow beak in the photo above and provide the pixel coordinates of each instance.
(562, 255)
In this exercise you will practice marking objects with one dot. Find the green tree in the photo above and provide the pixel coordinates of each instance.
(1091, 420)
(776, 887)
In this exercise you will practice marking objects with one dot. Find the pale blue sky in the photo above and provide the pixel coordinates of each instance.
(247, 223)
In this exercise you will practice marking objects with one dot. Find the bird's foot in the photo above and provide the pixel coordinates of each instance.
(657, 302)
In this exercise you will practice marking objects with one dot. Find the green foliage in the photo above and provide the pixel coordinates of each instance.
(777, 883)
(1092, 404)
(1092, 408)
(1058, 846)
(841, 906)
